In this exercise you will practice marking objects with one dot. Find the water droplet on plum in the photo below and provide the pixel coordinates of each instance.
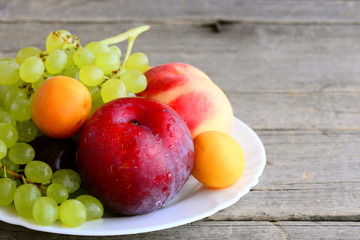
(169, 127)
(165, 190)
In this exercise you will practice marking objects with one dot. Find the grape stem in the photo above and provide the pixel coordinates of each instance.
(5, 173)
(20, 176)
(130, 35)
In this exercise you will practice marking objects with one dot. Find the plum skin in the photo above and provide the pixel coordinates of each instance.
(135, 154)
(58, 153)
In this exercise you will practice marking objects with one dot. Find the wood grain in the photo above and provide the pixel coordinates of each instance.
(255, 230)
(188, 11)
(291, 71)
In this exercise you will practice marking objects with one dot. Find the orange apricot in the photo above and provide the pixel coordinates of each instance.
(219, 160)
(60, 107)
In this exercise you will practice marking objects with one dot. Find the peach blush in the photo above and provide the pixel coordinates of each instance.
(190, 92)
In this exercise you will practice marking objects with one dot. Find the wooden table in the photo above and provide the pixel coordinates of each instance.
(291, 70)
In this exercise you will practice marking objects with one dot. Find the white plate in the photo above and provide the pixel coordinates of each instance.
(193, 203)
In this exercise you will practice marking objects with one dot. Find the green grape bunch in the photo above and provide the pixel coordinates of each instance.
(93, 64)
(31, 186)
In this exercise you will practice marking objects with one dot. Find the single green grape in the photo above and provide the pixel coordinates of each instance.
(31, 69)
(7, 190)
(27, 131)
(112, 89)
(68, 178)
(20, 110)
(58, 40)
(24, 199)
(91, 75)
(45, 211)
(94, 208)
(27, 52)
(8, 134)
(38, 171)
(9, 72)
(137, 61)
(72, 72)
(116, 50)
(97, 48)
(7, 118)
(12, 94)
(58, 192)
(3, 149)
(72, 213)
(56, 61)
(134, 81)
(108, 62)
(21, 153)
(3, 91)
(83, 56)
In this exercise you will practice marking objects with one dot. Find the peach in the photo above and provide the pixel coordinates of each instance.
(191, 93)
(60, 107)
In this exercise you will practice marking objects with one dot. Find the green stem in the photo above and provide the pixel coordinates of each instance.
(129, 47)
(130, 36)
(132, 33)
(18, 176)
(7, 171)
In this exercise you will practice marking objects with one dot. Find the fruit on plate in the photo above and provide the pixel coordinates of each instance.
(219, 159)
(190, 92)
(134, 155)
(60, 107)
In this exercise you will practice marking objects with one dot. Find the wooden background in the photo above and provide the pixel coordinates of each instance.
(291, 70)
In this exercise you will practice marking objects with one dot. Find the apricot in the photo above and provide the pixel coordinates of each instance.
(219, 159)
(60, 107)
(191, 93)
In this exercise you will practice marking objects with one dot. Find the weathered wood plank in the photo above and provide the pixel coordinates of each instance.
(215, 230)
(250, 58)
(312, 204)
(319, 230)
(189, 11)
(303, 110)
(310, 159)
(310, 175)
